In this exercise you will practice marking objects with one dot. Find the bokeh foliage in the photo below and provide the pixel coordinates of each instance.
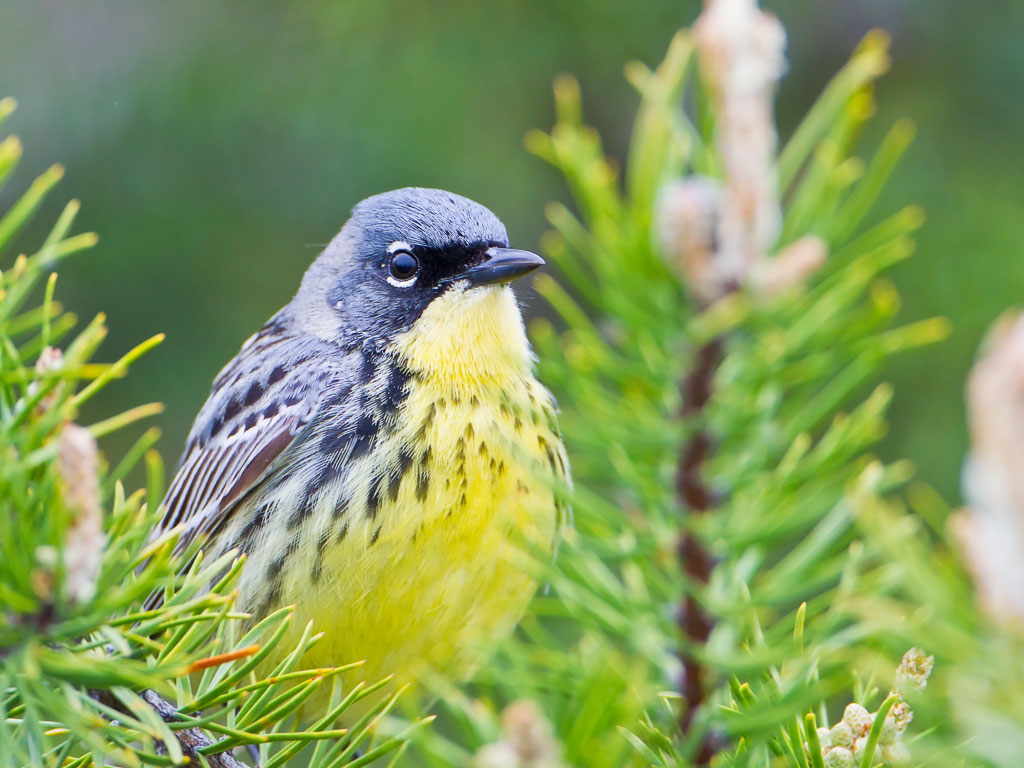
(218, 142)
(824, 573)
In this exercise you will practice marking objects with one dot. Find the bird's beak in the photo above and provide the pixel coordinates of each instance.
(502, 265)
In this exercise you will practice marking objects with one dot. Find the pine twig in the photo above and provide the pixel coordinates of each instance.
(192, 740)
(699, 498)
(740, 50)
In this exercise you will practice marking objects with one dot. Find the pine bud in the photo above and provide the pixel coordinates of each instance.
(78, 465)
(889, 732)
(841, 735)
(687, 218)
(527, 741)
(50, 359)
(991, 532)
(858, 718)
(741, 50)
(839, 757)
(790, 267)
(913, 671)
(896, 754)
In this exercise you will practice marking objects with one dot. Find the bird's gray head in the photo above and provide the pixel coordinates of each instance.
(398, 252)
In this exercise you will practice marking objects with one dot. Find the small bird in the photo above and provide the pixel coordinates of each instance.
(380, 450)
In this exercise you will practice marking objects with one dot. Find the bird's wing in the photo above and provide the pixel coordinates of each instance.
(261, 401)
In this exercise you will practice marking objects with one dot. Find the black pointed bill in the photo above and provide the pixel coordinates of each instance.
(502, 265)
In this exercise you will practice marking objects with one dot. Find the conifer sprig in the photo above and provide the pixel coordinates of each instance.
(88, 676)
(824, 564)
(799, 581)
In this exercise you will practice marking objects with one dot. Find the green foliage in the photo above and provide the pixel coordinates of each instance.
(84, 667)
(822, 577)
(828, 563)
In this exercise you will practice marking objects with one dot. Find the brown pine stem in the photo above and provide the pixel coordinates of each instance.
(722, 237)
(192, 740)
(698, 498)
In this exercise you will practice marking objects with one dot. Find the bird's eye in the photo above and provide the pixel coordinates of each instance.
(403, 267)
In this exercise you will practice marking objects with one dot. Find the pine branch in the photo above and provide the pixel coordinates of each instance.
(787, 612)
(192, 740)
(695, 560)
(739, 224)
(87, 674)
(828, 563)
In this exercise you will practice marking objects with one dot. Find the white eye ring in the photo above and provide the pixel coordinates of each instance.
(400, 283)
(397, 247)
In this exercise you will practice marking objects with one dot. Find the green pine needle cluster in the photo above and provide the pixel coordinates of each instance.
(822, 576)
(824, 563)
(88, 676)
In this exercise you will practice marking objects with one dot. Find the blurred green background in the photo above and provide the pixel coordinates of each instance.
(217, 145)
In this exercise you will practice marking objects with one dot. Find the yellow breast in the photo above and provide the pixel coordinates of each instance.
(438, 573)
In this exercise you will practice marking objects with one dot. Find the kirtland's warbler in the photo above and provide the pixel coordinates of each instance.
(380, 450)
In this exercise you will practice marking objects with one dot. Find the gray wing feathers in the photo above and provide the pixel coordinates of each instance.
(260, 402)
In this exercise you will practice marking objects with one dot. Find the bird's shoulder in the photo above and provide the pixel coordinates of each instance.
(277, 375)
(261, 401)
